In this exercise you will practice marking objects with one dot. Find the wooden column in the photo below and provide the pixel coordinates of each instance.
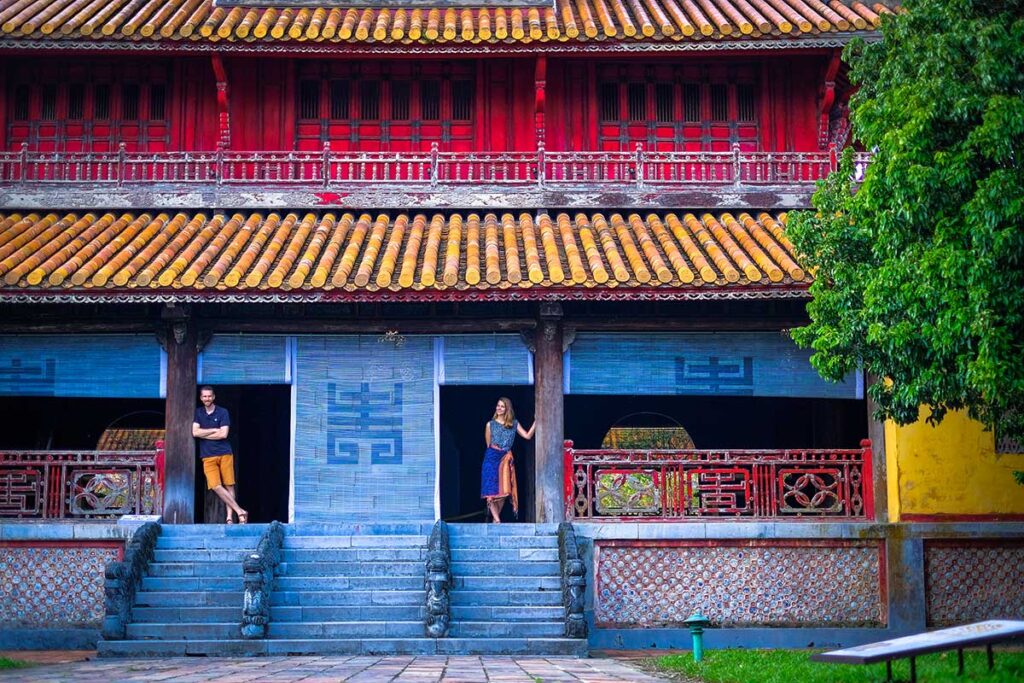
(550, 411)
(876, 432)
(180, 468)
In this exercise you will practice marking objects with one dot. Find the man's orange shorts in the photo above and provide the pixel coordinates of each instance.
(219, 469)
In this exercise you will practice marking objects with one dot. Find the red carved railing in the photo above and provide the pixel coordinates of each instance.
(619, 485)
(638, 169)
(80, 484)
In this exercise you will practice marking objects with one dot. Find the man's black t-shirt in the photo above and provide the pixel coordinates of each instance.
(209, 448)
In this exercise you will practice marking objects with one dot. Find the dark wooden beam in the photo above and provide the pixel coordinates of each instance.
(550, 411)
(180, 468)
(363, 326)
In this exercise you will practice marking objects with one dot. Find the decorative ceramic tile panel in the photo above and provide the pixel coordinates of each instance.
(973, 582)
(742, 583)
(53, 586)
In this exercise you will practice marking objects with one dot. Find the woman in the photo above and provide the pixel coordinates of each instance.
(498, 476)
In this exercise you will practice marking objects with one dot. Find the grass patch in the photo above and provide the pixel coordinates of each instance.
(6, 663)
(787, 666)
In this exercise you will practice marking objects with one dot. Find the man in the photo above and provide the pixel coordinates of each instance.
(211, 428)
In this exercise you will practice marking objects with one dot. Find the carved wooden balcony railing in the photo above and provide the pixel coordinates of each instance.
(629, 170)
(677, 485)
(80, 484)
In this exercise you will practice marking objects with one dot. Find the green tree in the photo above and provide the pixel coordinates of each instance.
(918, 270)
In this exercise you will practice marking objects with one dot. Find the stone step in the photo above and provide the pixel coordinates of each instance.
(505, 554)
(207, 543)
(506, 629)
(345, 569)
(510, 570)
(186, 598)
(193, 615)
(412, 554)
(223, 569)
(354, 646)
(192, 583)
(181, 648)
(383, 598)
(516, 613)
(536, 647)
(359, 529)
(212, 530)
(345, 629)
(292, 542)
(324, 646)
(480, 542)
(497, 583)
(351, 613)
(506, 598)
(201, 555)
(344, 583)
(513, 529)
(229, 630)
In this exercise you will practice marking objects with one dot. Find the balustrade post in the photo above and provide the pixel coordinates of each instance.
(120, 163)
(542, 171)
(24, 162)
(640, 171)
(219, 165)
(326, 169)
(568, 476)
(736, 163)
(833, 157)
(434, 163)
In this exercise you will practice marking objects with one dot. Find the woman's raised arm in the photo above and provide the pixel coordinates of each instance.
(526, 433)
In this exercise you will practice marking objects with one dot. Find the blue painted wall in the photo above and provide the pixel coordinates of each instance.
(92, 366)
(364, 429)
(715, 364)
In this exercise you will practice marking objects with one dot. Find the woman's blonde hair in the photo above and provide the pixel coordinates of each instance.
(510, 415)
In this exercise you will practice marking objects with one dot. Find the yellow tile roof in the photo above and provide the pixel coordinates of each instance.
(498, 254)
(575, 20)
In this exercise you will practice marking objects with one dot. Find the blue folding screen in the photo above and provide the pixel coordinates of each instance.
(99, 366)
(484, 359)
(364, 429)
(718, 364)
(246, 359)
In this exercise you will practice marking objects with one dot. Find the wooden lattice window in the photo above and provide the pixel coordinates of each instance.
(89, 108)
(674, 108)
(74, 108)
(386, 107)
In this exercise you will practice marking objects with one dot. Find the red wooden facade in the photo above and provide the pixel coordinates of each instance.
(766, 103)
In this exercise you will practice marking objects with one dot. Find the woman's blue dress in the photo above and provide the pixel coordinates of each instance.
(501, 438)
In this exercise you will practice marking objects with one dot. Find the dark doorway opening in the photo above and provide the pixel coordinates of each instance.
(725, 421)
(73, 424)
(260, 438)
(464, 413)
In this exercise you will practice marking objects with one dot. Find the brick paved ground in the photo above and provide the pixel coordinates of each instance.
(403, 669)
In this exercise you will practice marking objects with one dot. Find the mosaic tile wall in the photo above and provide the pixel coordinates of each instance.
(364, 429)
(967, 583)
(742, 584)
(52, 586)
(699, 364)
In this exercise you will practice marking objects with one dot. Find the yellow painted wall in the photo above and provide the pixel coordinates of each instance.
(950, 469)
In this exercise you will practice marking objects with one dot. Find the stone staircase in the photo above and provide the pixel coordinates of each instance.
(507, 592)
(350, 589)
(190, 601)
(355, 589)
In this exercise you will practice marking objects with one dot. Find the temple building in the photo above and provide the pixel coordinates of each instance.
(362, 225)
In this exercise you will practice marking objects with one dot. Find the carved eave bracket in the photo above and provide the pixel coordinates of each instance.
(827, 97)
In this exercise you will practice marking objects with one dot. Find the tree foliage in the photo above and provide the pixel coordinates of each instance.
(919, 273)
